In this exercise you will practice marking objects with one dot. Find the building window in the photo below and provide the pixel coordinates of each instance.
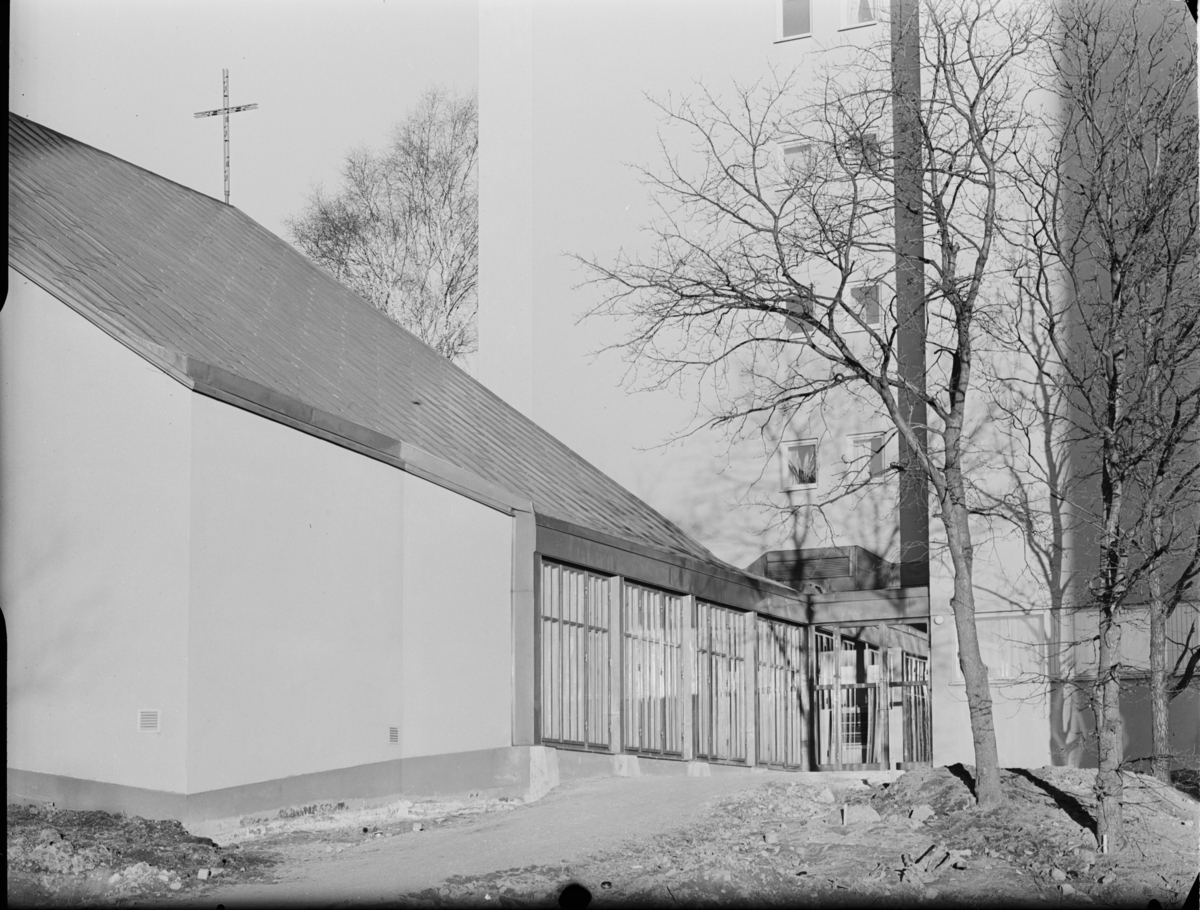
(798, 308)
(652, 662)
(868, 455)
(866, 300)
(863, 153)
(798, 157)
(780, 686)
(1181, 633)
(719, 693)
(918, 732)
(575, 657)
(1013, 646)
(858, 12)
(795, 19)
(849, 711)
(801, 465)
(860, 720)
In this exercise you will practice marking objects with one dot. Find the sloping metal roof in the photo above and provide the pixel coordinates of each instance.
(172, 267)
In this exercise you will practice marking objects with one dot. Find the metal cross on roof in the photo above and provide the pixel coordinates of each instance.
(225, 111)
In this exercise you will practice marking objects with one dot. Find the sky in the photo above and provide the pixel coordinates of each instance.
(127, 76)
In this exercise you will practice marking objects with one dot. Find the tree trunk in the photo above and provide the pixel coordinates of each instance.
(1160, 735)
(1160, 700)
(974, 670)
(1065, 727)
(1109, 745)
(1108, 787)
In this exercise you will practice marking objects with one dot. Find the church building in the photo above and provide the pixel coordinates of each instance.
(260, 546)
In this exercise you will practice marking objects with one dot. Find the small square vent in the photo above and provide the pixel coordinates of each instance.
(148, 720)
(394, 735)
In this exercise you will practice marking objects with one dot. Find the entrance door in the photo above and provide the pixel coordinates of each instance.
(871, 692)
(851, 725)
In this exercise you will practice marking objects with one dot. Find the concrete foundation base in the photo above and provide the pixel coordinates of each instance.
(515, 772)
(579, 765)
(524, 773)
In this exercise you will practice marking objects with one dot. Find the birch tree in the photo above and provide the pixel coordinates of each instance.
(403, 228)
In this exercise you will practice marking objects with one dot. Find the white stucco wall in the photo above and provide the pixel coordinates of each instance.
(1020, 706)
(333, 597)
(95, 456)
(846, 507)
(281, 600)
(297, 584)
(457, 659)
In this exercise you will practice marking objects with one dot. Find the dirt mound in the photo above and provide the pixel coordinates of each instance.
(65, 857)
(1144, 796)
(917, 840)
(944, 790)
(1046, 827)
(952, 788)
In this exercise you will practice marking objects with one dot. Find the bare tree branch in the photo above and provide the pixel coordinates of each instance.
(748, 289)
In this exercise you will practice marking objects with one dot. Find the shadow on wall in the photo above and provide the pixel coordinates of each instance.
(1073, 725)
(79, 625)
(706, 496)
(864, 520)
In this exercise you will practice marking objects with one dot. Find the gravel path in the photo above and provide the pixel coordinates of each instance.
(574, 821)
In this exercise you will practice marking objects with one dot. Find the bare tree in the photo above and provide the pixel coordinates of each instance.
(403, 228)
(1172, 542)
(751, 286)
(1028, 404)
(1108, 409)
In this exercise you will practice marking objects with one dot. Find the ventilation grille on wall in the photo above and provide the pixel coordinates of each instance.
(394, 735)
(147, 720)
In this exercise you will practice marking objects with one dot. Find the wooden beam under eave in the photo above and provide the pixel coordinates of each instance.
(862, 607)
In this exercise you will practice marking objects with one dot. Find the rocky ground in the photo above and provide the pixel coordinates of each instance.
(915, 841)
(75, 857)
(61, 858)
(67, 858)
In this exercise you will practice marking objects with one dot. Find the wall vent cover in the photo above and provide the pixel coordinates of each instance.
(394, 735)
(148, 720)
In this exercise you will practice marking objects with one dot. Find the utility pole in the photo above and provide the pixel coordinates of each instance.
(225, 110)
(910, 286)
